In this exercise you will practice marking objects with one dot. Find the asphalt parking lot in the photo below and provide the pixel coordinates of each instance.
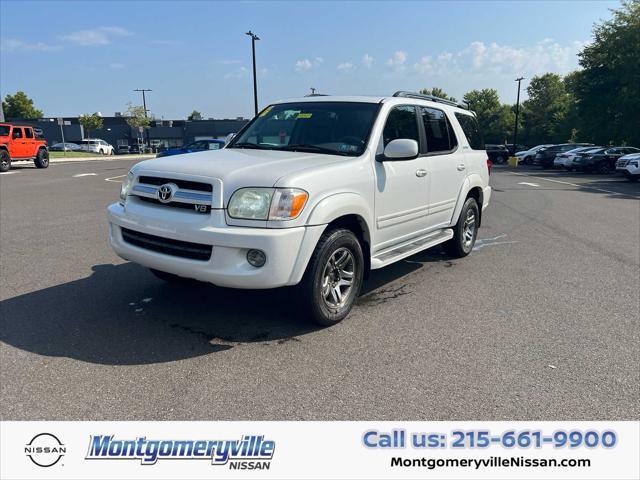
(539, 322)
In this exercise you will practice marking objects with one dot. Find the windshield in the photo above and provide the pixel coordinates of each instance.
(335, 128)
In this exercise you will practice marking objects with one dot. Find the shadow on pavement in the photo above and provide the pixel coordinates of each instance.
(123, 315)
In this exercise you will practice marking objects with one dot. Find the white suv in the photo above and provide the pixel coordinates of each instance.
(96, 145)
(313, 192)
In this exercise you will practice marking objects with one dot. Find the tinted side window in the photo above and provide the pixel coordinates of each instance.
(401, 123)
(28, 133)
(440, 136)
(17, 133)
(471, 130)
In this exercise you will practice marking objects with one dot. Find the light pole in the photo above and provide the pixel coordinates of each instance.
(515, 129)
(144, 106)
(254, 37)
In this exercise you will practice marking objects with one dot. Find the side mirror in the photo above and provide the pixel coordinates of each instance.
(401, 149)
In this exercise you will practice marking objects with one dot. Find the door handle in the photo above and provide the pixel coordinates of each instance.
(421, 172)
(461, 166)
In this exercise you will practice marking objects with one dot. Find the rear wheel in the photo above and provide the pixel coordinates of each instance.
(5, 161)
(42, 158)
(333, 278)
(500, 159)
(465, 231)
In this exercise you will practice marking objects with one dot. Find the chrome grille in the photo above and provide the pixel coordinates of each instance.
(186, 194)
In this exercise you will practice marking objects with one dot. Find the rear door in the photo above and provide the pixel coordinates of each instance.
(446, 165)
(29, 142)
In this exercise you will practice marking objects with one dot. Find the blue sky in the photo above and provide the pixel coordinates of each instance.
(79, 56)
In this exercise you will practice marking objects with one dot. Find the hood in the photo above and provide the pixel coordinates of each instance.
(238, 168)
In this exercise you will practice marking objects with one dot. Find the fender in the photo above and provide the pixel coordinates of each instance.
(341, 204)
(471, 181)
(324, 212)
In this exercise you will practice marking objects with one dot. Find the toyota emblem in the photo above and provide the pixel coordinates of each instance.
(166, 192)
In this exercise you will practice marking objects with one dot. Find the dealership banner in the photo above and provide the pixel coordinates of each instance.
(317, 450)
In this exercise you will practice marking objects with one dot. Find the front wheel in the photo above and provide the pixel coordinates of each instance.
(42, 159)
(604, 168)
(5, 161)
(465, 231)
(333, 278)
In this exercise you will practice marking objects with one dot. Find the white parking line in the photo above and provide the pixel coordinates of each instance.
(573, 184)
(7, 173)
(113, 179)
(530, 184)
(78, 175)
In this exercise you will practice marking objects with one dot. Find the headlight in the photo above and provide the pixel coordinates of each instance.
(126, 186)
(267, 203)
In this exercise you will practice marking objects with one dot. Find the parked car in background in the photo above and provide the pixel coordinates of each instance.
(123, 150)
(515, 148)
(96, 145)
(197, 146)
(497, 153)
(629, 165)
(18, 143)
(65, 147)
(525, 157)
(565, 159)
(545, 156)
(138, 148)
(602, 160)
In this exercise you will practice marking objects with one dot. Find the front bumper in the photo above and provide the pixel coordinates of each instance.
(287, 249)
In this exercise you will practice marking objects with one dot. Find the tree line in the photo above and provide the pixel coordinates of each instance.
(599, 103)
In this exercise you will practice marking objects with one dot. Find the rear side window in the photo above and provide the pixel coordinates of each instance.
(471, 130)
(28, 133)
(440, 136)
(401, 123)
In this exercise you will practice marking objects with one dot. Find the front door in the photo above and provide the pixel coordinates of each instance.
(17, 143)
(401, 198)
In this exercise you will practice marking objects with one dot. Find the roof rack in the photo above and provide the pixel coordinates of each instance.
(431, 98)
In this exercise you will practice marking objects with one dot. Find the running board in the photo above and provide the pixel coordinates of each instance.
(406, 249)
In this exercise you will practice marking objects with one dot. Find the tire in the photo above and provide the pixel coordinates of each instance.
(527, 160)
(101, 152)
(42, 159)
(604, 168)
(499, 159)
(465, 231)
(337, 258)
(170, 277)
(5, 161)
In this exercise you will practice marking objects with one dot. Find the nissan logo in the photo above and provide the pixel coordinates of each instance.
(166, 192)
(45, 450)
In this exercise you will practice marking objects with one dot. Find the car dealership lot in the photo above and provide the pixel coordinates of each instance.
(540, 322)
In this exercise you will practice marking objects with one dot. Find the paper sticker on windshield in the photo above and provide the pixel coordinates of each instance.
(265, 111)
(304, 115)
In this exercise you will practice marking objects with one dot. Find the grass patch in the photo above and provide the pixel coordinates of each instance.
(72, 154)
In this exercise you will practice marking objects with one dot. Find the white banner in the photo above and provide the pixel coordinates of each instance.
(318, 450)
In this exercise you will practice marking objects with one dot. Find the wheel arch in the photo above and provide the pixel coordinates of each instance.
(472, 187)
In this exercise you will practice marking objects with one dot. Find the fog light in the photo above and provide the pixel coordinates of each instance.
(256, 258)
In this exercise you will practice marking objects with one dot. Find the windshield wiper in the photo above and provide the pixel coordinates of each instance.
(248, 145)
(304, 147)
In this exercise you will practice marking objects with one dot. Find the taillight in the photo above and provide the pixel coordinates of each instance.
(489, 166)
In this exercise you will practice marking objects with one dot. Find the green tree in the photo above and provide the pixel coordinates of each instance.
(90, 122)
(138, 119)
(496, 120)
(195, 115)
(437, 92)
(20, 106)
(544, 112)
(607, 89)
